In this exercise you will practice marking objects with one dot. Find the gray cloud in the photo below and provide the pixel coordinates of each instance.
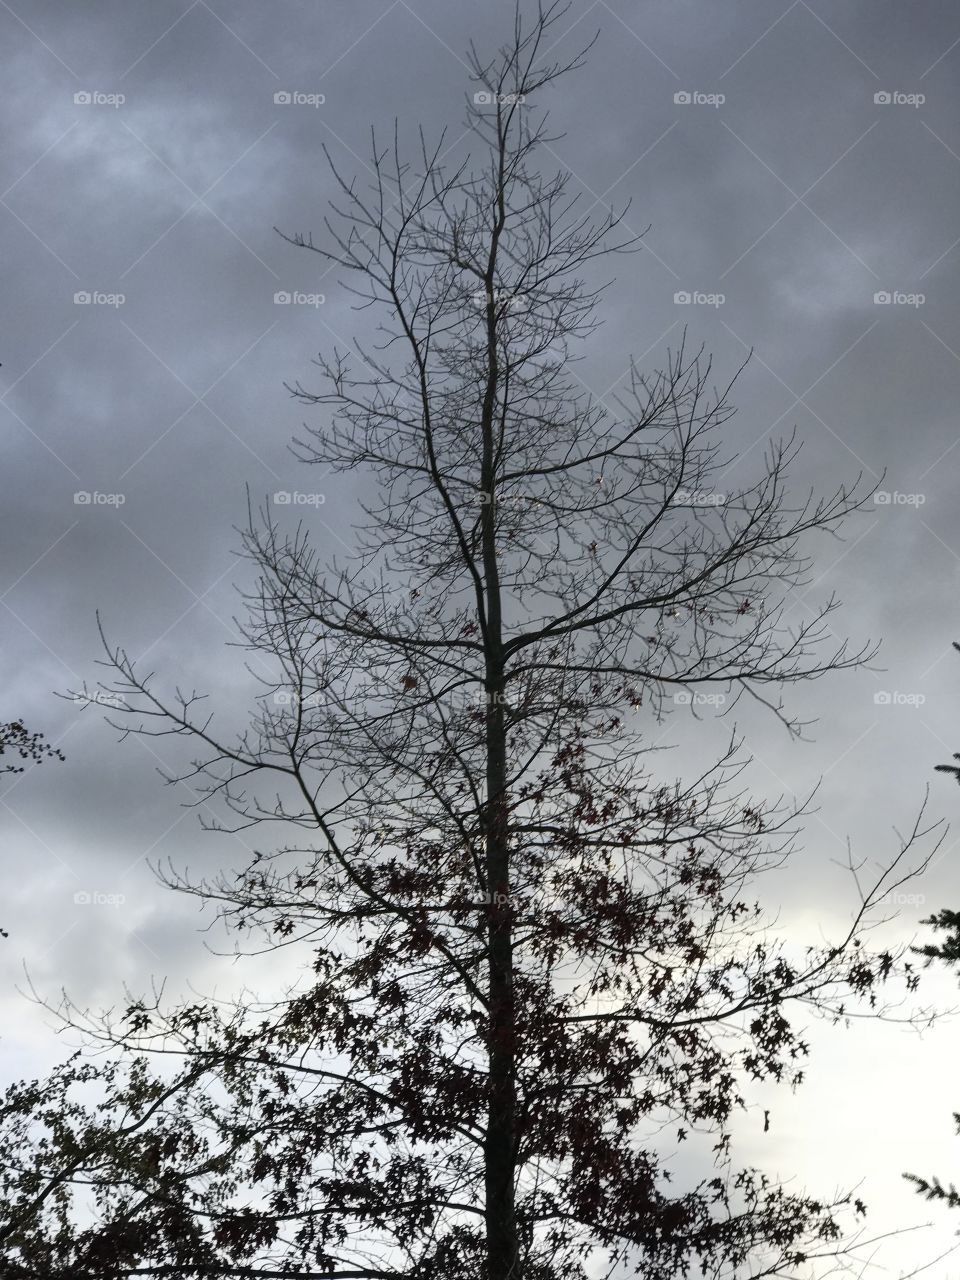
(798, 199)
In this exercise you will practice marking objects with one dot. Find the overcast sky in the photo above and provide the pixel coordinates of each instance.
(798, 165)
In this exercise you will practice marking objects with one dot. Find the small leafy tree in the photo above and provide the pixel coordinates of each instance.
(533, 964)
(17, 740)
(947, 950)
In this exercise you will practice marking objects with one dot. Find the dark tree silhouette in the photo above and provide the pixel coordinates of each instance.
(947, 950)
(951, 768)
(16, 739)
(532, 961)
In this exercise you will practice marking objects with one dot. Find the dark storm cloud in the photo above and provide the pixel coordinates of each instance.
(781, 185)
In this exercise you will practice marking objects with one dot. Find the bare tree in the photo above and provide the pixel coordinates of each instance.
(536, 966)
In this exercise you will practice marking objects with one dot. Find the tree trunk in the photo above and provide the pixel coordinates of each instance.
(500, 1146)
(503, 1261)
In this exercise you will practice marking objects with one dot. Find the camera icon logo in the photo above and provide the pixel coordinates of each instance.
(682, 298)
(82, 898)
(282, 98)
(882, 99)
(283, 498)
(81, 498)
(483, 98)
(82, 99)
(82, 299)
(281, 298)
(881, 298)
(682, 98)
